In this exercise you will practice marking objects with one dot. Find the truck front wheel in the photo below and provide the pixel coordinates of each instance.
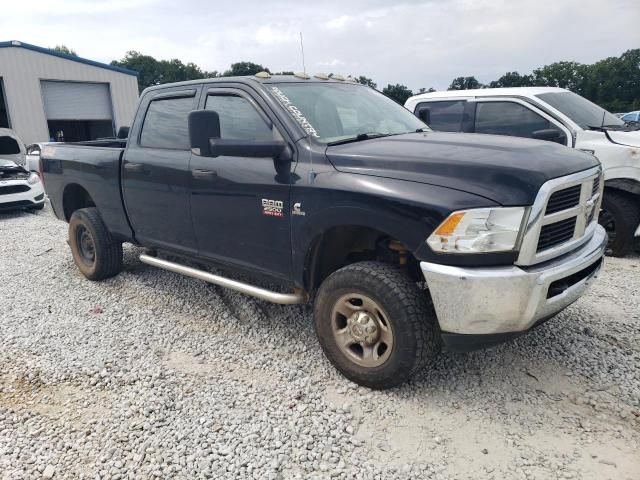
(95, 252)
(374, 324)
(620, 216)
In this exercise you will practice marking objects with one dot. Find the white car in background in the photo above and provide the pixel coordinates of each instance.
(556, 115)
(19, 187)
(11, 147)
(33, 156)
(631, 117)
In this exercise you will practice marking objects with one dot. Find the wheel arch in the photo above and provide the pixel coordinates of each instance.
(75, 197)
(627, 185)
(342, 244)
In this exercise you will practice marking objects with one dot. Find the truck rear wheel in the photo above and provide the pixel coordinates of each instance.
(374, 324)
(95, 252)
(620, 216)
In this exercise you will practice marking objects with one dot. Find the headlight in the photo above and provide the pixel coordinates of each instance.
(478, 231)
(33, 178)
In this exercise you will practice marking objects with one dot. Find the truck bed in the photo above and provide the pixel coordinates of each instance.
(71, 170)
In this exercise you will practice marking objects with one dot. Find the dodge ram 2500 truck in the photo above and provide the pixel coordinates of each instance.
(407, 240)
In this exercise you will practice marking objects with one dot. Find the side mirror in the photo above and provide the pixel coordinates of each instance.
(204, 137)
(550, 135)
(203, 126)
(424, 114)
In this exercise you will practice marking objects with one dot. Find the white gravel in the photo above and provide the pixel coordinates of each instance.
(150, 374)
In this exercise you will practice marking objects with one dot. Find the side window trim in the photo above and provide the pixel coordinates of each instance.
(172, 94)
(529, 106)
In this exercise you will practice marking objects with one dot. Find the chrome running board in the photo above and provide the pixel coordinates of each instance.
(297, 297)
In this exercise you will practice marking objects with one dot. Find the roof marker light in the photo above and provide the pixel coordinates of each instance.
(263, 75)
(302, 75)
(322, 76)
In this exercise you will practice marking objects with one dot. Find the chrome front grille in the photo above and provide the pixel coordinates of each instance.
(563, 216)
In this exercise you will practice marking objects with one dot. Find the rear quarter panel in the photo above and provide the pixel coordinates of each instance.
(96, 169)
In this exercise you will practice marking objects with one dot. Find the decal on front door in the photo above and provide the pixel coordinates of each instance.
(272, 208)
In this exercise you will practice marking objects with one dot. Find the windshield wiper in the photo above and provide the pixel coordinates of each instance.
(360, 137)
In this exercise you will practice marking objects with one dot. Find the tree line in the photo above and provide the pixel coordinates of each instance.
(613, 83)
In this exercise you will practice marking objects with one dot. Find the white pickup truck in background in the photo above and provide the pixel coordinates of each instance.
(557, 115)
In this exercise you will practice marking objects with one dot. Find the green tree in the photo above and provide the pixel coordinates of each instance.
(614, 83)
(464, 83)
(244, 68)
(397, 92)
(512, 79)
(66, 50)
(366, 81)
(569, 75)
(155, 72)
(425, 90)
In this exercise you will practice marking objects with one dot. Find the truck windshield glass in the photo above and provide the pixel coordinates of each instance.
(580, 110)
(333, 112)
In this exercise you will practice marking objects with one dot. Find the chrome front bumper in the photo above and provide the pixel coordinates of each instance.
(482, 301)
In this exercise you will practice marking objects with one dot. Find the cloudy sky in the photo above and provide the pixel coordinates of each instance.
(417, 43)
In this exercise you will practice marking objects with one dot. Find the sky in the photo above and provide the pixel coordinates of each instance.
(415, 43)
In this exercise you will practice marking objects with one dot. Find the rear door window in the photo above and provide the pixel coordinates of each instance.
(508, 118)
(445, 116)
(165, 124)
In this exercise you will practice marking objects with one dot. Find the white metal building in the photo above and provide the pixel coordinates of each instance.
(47, 95)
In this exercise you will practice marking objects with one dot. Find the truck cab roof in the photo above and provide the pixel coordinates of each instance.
(257, 79)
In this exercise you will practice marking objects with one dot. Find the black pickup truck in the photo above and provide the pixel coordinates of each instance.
(407, 240)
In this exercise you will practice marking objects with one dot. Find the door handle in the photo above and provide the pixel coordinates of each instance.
(134, 167)
(199, 173)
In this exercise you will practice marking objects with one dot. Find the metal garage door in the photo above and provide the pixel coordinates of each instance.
(76, 100)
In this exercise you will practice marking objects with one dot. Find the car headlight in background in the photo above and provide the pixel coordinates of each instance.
(480, 230)
(33, 178)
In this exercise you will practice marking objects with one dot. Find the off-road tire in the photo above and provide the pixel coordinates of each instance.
(107, 258)
(411, 316)
(625, 212)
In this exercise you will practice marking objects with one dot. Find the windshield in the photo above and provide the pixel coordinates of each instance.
(334, 112)
(9, 146)
(580, 110)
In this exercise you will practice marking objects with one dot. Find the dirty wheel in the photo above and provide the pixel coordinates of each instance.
(374, 324)
(95, 252)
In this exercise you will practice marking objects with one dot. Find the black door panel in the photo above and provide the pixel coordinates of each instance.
(240, 205)
(156, 175)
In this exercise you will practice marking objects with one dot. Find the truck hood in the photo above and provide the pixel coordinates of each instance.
(631, 139)
(506, 170)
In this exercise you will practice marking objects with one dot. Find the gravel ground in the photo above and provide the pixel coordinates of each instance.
(150, 374)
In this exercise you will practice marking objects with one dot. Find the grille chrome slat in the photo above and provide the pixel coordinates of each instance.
(563, 199)
(556, 233)
(563, 216)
